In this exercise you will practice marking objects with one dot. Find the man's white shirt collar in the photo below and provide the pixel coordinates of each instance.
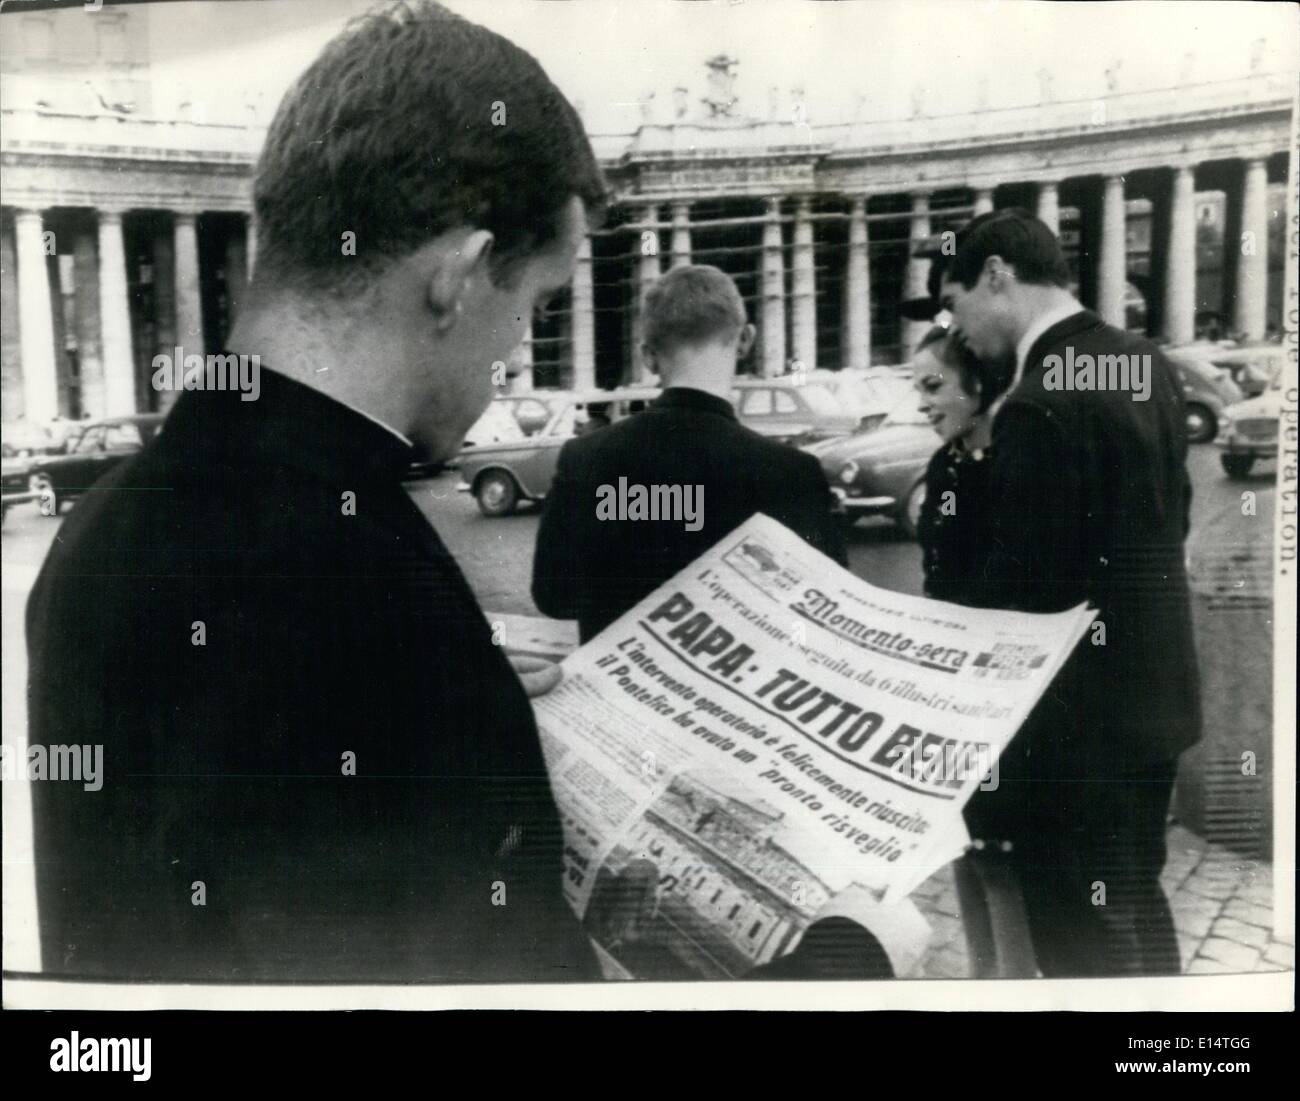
(1044, 322)
(1041, 324)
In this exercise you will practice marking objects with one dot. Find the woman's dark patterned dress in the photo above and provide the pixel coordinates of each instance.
(951, 530)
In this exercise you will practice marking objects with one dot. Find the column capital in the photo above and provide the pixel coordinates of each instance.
(185, 217)
(110, 212)
(803, 205)
(27, 213)
(858, 204)
(921, 199)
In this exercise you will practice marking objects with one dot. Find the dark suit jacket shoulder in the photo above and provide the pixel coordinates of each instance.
(593, 570)
(301, 710)
(1092, 505)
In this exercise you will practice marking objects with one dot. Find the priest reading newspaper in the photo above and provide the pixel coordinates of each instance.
(767, 739)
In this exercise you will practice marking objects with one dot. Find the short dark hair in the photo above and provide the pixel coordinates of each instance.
(986, 381)
(1022, 241)
(411, 122)
(692, 304)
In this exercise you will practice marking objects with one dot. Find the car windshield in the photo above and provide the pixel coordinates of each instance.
(873, 395)
(122, 436)
(509, 420)
(92, 439)
(820, 400)
(907, 411)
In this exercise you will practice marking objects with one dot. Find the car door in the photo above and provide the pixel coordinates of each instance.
(537, 460)
(121, 441)
(790, 415)
(83, 465)
(754, 409)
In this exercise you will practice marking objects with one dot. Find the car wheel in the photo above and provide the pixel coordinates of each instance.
(497, 493)
(1237, 466)
(910, 518)
(1201, 423)
(48, 500)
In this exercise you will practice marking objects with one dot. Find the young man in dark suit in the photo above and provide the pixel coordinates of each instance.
(595, 559)
(316, 763)
(593, 562)
(1092, 499)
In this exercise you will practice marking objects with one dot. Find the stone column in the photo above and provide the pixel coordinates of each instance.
(89, 324)
(773, 290)
(647, 273)
(583, 322)
(1049, 205)
(681, 234)
(11, 356)
(1180, 275)
(857, 289)
(918, 269)
(1252, 247)
(803, 288)
(115, 318)
(189, 306)
(1113, 271)
(35, 320)
(983, 201)
(250, 241)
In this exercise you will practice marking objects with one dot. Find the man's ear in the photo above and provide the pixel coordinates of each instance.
(999, 274)
(745, 341)
(455, 267)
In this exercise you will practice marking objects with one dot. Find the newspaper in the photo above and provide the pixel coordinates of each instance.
(765, 732)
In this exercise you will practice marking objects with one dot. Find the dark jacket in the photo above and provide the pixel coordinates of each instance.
(1091, 503)
(594, 570)
(953, 533)
(950, 529)
(243, 614)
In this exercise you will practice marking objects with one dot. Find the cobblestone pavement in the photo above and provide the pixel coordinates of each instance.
(1222, 904)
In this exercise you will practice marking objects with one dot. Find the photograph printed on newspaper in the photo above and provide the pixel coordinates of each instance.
(765, 731)
(503, 496)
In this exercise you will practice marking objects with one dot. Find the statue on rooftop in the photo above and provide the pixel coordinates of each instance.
(721, 99)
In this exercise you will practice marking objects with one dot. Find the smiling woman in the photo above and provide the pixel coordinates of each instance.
(956, 388)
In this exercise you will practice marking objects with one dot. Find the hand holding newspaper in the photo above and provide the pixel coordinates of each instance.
(767, 739)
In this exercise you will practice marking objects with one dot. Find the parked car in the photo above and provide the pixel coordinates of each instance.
(13, 483)
(509, 418)
(502, 473)
(22, 438)
(869, 393)
(1248, 432)
(1207, 391)
(93, 452)
(881, 472)
(791, 412)
(1252, 367)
